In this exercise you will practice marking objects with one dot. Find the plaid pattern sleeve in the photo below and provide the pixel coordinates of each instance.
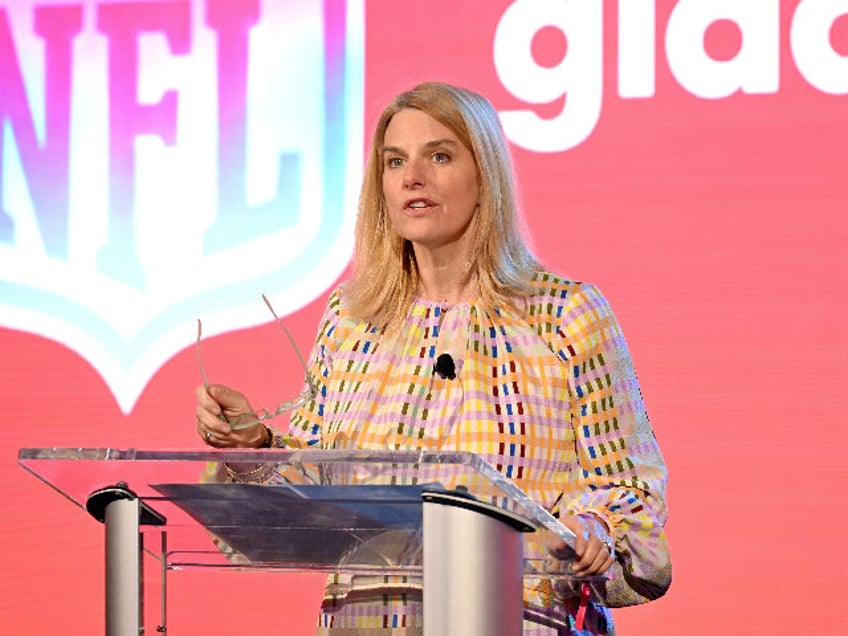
(619, 475)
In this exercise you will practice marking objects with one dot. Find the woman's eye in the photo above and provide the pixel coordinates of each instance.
(441, 157)
(394, 162)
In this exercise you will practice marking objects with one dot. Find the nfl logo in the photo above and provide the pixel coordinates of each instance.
(166, 162)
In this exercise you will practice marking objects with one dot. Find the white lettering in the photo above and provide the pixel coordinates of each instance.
(755, 69)
(636, 48)
(809, 39)
(579, 76)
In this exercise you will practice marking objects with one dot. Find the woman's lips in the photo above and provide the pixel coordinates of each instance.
(419, 205)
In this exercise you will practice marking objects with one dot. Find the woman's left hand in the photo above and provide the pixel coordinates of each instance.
(592, 545)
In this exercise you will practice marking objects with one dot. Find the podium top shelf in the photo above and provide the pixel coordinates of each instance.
(349, 511)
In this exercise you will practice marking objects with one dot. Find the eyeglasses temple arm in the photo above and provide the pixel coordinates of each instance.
(199, 359)
(293, 344)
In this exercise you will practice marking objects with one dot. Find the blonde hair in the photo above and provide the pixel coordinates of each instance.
(385, 274)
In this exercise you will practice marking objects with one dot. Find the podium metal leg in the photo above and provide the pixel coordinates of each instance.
(123, 513)
(473, 568)
(123, 569)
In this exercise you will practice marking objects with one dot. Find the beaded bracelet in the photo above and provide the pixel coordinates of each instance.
(268, 442)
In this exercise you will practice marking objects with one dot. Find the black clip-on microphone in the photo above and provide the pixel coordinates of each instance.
(445, 367)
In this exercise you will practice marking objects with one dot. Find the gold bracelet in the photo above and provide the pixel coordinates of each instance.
(258, 474)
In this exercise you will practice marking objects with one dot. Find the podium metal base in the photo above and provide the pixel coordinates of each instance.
(473, 567)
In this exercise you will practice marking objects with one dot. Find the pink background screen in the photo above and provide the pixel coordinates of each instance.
(716, 226)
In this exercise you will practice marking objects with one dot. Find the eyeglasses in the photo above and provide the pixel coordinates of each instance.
(247, 420)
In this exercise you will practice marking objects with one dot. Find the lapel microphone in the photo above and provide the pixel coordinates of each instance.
(445, 367)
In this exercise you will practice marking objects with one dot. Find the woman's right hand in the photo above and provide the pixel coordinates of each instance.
(219, 405)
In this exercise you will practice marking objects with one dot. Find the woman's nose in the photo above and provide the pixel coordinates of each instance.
(413, 174)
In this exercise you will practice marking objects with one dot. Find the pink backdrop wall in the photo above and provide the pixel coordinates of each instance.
(715, 224)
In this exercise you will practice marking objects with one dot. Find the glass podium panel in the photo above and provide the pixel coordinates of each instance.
(320, 510)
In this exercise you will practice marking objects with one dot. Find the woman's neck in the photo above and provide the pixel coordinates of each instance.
(446, 275)
(447, 286)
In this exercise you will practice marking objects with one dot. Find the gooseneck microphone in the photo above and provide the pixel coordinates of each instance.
(444, 367)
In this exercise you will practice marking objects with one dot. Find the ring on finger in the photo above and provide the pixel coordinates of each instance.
(207, 436)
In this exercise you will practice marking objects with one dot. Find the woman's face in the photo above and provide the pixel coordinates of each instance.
(430, 182)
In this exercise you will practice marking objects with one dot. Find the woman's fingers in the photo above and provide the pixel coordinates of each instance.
(595, 559)
(592, 554)
(217, 406)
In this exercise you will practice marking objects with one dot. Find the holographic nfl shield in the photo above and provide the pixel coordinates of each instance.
(167, 160)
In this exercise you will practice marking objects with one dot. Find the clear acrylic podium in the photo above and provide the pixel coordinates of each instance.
(447, 517)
